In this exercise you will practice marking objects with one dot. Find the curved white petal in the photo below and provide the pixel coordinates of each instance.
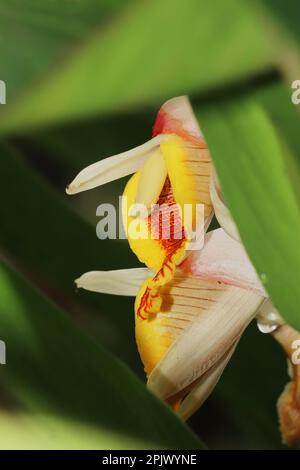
(203, 387)
(115, 167)
(221, 211)
(224, 259)
(119, 282)
(152, 179)
(215, 328)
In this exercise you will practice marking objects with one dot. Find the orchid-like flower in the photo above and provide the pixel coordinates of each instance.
(191, 307)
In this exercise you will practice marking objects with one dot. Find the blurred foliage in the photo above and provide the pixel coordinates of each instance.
(86, 385)
(242, 128)
(189, 45)
(84, 79)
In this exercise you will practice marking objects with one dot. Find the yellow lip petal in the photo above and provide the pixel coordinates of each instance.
(158, 332)
(191, 301)
(189, 170)
(187, 183)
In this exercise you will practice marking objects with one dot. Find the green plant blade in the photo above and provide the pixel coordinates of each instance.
(52, 246)
(49, 31)
(25, 430)
(285, 14)
(285, 116)
(53, 369)
(255, 179)
(219, 43)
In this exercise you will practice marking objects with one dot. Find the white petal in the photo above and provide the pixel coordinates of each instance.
(223, 259)
(120, 282)
(221, 211)
(177, 114)
(202, 344)
(112, 168)
(203, 387)
(152, 179)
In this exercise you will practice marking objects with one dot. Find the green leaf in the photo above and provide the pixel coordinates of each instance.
(286, 15)
(255, 179)
(281, 23)
(43, 237)
(155, 50)
(49, 31)
(74, 146)
(72, 387)
(21, 429)
(285, 116)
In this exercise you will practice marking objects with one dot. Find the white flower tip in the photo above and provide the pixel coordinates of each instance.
(120, 282)
(178, 110)
(70, 189)
(76, 186)
(78, 283)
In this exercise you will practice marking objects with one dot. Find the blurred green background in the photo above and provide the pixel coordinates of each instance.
(84, 81)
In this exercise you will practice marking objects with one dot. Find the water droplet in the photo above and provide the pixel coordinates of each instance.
(266, 328)
(267, 323)
(263, 278)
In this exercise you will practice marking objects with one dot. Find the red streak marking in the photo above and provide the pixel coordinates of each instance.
(143, 302)
(166, 124)
(182, 296)
(170, 214)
